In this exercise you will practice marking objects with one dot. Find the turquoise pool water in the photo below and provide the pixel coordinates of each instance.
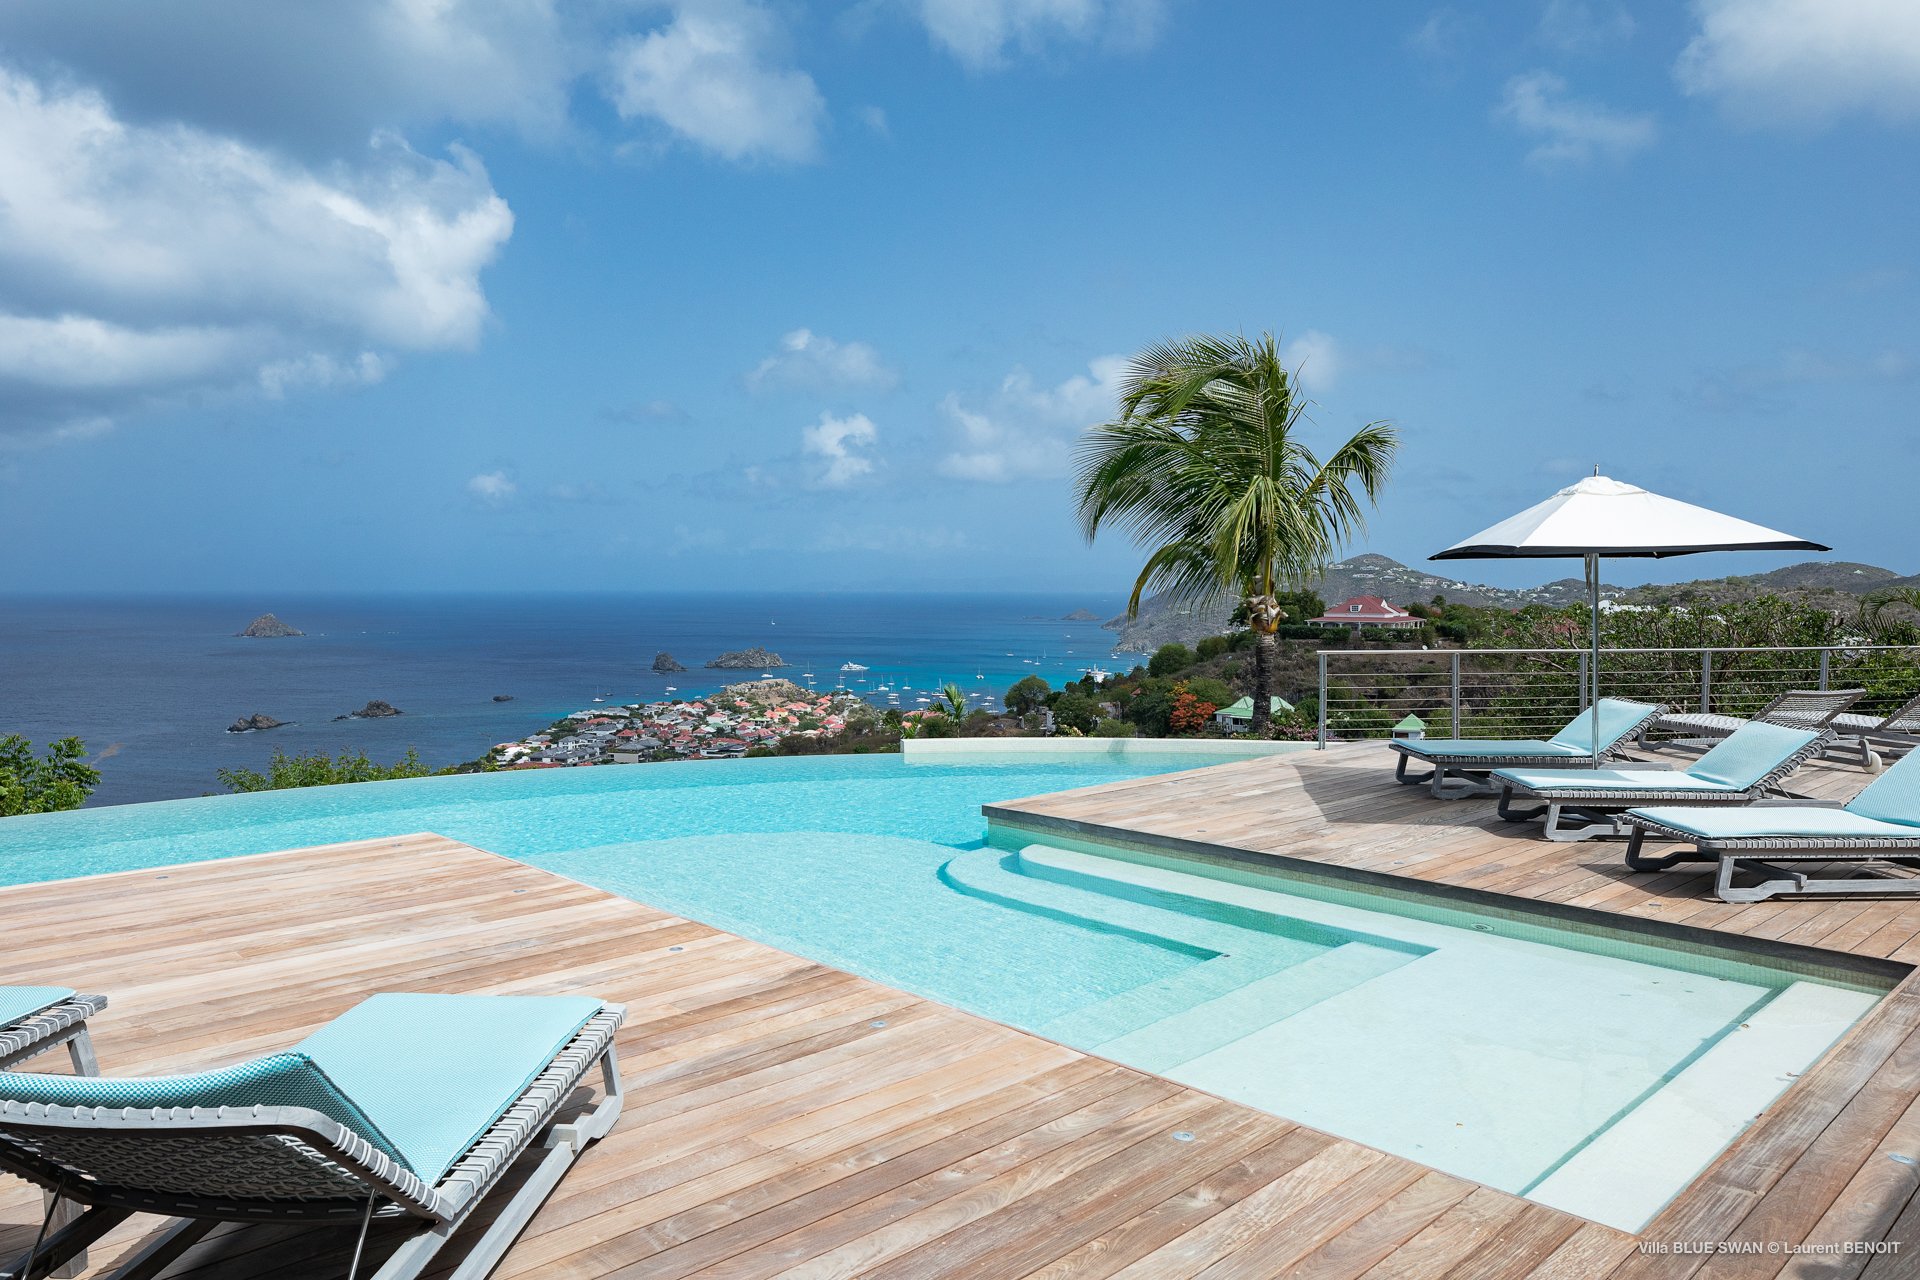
(1597, 1073)
(535, 813)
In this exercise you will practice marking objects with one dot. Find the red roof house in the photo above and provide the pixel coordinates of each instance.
(1367, 611)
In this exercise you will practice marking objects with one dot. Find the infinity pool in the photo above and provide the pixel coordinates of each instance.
(1597, 1073)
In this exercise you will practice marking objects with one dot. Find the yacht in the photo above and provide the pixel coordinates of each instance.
(852, 666)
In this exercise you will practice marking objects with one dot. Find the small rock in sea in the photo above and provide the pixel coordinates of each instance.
(268, 627)
(248, 724)
(755, 658)
(666, 664)
(503, 697)
(375, 710)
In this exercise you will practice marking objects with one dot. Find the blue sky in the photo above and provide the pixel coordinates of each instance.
(740, 293)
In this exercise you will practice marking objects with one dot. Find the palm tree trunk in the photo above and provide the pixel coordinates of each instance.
(1265, 648)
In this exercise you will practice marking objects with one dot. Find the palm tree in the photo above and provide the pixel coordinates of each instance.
(1874, 608)
(1206, 465)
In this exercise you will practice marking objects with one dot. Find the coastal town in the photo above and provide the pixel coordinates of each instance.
(722, 725)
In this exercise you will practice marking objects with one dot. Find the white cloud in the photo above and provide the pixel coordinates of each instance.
(1806, 61)
(814, 362)
(712, 76)
(981, 33)
(875, 118)
(1315, 356)
(1575, 26)
(837, 449)
(1571, 130)
(495, 487)
(1025, 431)
(1444, 36)
(317, 76)
(139, 262)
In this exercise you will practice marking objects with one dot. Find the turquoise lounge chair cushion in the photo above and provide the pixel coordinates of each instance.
(1751, 752)
(281, 1080)
(1618, 718)
(1785, 821)
(418, 1076)
(1894, 796)
(434, 1072)
(23, 1002)
(1609, 780)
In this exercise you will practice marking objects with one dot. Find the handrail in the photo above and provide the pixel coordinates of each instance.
(1363, 692)
(1570, 651)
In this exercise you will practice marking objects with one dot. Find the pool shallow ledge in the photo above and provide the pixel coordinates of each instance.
(1013, 829)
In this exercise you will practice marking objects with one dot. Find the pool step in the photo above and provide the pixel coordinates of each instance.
(1113, 1020)
(1251, 1008)
(1629, 1170)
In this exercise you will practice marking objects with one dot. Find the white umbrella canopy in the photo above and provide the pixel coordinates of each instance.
(1602, 517)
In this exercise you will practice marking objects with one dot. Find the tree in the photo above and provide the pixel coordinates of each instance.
(1028, 694)
(285, 772)
(1206, 466)
(1170, 659)
(44, 784)
(1190, 713)
(1075, 711)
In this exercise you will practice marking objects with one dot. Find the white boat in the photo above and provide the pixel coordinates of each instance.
(852, 666)
(1098, 675)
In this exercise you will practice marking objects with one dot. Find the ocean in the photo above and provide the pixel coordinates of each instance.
(152, 684)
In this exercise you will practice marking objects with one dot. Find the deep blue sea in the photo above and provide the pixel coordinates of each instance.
(152, 684)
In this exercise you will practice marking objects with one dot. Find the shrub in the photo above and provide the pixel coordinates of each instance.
(1150, 706)
(1075, 711)
(1027, 694)
(1207, 689)
(1189, 714)
(1111, 728)
(44, 784)
(1170, 659)
(285, 772)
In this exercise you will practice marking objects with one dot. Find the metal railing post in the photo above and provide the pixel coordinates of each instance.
(1586, 681)
(1706, 681)
(1826, 658)
(1453, 727)
(1321, 739)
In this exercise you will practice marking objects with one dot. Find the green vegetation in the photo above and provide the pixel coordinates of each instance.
(1028, 694)
(44, 784)
(321, 770)
(1206, 466)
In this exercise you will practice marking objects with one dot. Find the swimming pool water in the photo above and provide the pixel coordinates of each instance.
(1596, 1073)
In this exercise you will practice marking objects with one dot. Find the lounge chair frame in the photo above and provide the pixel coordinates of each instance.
(1455, 777)
(1742, 854)
(205, 1166)
(1878, 738)
(64, 1023)
(1586, 813)
(1793, 709)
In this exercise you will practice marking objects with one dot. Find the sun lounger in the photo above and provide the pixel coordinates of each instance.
(1878, 737)
(1881, 824)
(34, 1020)
(1740, 770)
(1794, 709)
(406, 1106)
(1460, 766)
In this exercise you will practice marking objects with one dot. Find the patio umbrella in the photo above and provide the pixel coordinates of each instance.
(1601, 517)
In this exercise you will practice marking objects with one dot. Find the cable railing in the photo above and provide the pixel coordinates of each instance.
(1531, 693)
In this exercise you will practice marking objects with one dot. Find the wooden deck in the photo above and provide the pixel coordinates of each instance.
(1832, 1161)
(785, 1119)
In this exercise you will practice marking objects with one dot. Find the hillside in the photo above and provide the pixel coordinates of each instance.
(1829, 584)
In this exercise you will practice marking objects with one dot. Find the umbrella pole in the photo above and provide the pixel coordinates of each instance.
(1593, 642)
